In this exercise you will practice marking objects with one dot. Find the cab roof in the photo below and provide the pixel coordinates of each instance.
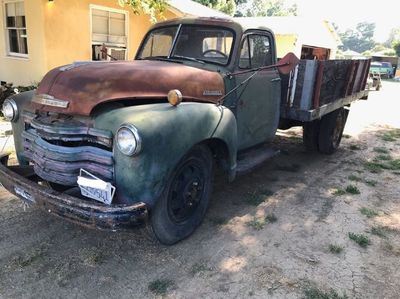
(240, 25)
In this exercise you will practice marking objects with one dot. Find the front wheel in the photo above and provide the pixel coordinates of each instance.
(184, 201)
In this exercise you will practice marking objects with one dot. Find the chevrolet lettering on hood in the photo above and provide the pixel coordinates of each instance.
(48, 100)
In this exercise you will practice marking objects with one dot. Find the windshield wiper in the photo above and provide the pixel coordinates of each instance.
(153, 58)
(188, 58)
(160, 58)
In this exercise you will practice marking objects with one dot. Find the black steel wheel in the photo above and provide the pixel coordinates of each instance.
(331, 130)
(184, 202)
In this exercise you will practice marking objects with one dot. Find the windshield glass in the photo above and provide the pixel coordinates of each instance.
(190, 42)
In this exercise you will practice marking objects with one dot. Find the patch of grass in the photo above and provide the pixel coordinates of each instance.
(360, 239)
(257, 197)
(378, 166)
(338, 192)
(219, 220)
(379, 231)
(383, 157)
(394, 164)
(289, 168)
(381, 150)
(160, 286)
(371, 183)
(346, 136)
(315, 293)
(373, 167)
(354, 147)
(256, 224)
(391, 135)
(91, 256)
(352, 189)
(271, 218)
(198, 268)
(334, 248)
(354, 178)
(368, 212)
(27, 259)
(295, 139)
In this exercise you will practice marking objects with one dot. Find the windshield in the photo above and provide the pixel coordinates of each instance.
(188, 42)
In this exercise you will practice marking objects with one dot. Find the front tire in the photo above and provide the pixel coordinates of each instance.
(184, 201)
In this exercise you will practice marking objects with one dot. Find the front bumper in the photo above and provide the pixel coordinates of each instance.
(22, 182)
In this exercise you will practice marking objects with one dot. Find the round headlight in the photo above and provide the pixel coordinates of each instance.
(10, 110)
(174, 97)
(128, 140)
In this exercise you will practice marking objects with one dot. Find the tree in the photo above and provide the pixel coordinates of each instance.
(153, 8)
(394, 37)
(360, 39)
(226, 6)
(396, 48)
(269, 8)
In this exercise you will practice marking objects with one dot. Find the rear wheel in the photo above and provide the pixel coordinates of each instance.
(331, 130)
(310, 135)
(184, 202)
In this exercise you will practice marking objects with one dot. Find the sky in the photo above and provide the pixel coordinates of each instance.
(347, 13)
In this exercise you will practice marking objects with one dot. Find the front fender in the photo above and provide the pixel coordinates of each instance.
(167, 133)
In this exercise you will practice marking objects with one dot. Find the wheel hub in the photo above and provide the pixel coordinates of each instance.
(186, 192)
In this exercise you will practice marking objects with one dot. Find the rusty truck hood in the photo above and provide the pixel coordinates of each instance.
(85, 86)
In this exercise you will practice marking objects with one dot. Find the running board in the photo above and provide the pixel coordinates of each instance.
(253, 158)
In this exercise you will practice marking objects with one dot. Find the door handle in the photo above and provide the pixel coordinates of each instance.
(276, 80)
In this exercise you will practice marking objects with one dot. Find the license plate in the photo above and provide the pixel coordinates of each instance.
(95, 188)
(24, 194)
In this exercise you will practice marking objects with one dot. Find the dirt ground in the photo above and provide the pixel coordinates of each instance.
(281, 232)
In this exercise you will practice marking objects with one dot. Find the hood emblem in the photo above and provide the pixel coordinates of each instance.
(48, 100)
(212, 93)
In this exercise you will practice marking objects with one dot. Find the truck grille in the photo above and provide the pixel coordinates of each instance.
(59, 152)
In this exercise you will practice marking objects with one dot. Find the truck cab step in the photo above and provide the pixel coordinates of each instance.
(253, 158)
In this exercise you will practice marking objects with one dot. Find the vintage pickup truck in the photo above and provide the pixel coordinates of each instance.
(113, 145)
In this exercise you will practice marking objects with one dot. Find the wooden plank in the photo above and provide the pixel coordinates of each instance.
(318, 83)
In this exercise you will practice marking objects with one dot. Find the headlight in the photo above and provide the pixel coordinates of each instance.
(10, 110)
(128, 140)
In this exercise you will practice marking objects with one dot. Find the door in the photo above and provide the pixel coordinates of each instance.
(258, 101)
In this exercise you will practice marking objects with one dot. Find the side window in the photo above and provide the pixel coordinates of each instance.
(255, 52)
(244, 62)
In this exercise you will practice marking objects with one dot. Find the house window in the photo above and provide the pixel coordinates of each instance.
(15, 26)
(109, 33)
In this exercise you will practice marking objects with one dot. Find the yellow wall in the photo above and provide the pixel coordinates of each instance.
(59, 33)
(286, 43)
(25, 71)
(67, 30)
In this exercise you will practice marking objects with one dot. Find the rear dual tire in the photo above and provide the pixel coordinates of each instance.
(325, 135)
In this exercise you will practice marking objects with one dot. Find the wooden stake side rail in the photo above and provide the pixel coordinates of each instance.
(324, 86)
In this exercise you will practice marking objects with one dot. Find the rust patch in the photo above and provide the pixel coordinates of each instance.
(87, 85)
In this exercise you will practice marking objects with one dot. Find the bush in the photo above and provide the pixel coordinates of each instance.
(8, 89)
